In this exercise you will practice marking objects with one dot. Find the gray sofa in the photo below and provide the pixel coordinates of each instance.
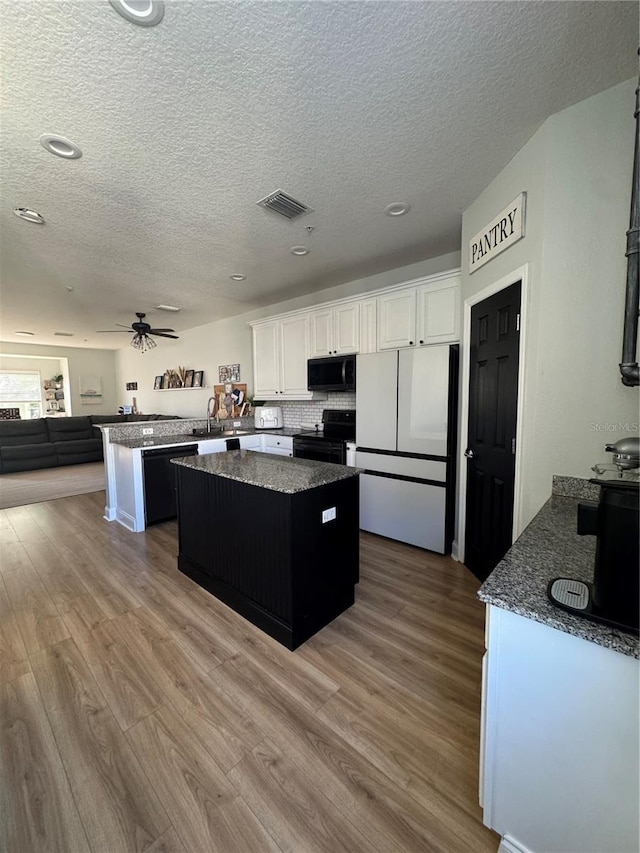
(51, 442)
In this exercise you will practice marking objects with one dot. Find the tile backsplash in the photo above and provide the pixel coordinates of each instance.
(296, 412)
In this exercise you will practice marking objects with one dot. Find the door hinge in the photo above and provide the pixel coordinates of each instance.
(517, 322)
(513, 446)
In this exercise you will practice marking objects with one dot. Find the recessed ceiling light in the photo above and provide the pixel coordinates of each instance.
(167, 308)
(69, 288)
(60, 146)
(145, 13)
(299, 250)
(25, 334)
(64, 334)
(397, 208)
(28, 215)
(237, 277)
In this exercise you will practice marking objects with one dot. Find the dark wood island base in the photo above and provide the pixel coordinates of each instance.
(266, 553)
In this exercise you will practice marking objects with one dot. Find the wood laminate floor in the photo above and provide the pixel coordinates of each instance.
(138, 713)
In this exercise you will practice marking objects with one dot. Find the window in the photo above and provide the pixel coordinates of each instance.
(21, 390)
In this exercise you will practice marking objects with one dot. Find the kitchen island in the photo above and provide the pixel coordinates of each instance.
(559, 736)
(277, 539)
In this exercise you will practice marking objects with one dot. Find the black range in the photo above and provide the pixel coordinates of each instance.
(330, 445)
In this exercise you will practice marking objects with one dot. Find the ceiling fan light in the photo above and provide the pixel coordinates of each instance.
(143, 343)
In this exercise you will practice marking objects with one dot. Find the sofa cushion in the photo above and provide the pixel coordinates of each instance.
(28, 457)
(99, 420)
(79, 450)
(23, 432)
(69, 429)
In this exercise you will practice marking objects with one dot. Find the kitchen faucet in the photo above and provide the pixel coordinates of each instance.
(209, 413)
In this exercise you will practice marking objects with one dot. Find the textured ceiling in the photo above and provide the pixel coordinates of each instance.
(184, 126)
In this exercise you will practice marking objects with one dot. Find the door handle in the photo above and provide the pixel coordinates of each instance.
(469, 453)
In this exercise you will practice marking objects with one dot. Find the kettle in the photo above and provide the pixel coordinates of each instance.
(268, 417)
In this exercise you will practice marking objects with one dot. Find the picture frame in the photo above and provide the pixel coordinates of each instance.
(228, 373)
(157, 385)
(188, 379)
(198, 377)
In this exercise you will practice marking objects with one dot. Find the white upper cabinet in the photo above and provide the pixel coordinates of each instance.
(266, 360)
(368, 326)
(295, 351)
(417, 313)
(419, 316)
(334, 331)
(397, 320)
(438, 314)
(280, 352)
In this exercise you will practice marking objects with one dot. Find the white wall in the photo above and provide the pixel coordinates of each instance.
(576, 171)
(229, 342)
(81, 362)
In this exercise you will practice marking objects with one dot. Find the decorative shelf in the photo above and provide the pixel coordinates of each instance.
(197, 388)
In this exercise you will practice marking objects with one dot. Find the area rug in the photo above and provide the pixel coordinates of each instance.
(30, 487)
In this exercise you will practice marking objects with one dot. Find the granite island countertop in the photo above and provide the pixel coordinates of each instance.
(549, 548)
(278, 473)
(147, 441)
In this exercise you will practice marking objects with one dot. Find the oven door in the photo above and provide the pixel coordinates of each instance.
(322, 450)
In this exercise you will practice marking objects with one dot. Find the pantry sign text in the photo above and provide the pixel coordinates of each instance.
(503, 231)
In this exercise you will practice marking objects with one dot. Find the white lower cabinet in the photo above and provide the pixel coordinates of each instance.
(559, 743)
(278, 445)
(216, 445)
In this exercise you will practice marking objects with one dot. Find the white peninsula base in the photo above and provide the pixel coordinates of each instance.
(559, 754)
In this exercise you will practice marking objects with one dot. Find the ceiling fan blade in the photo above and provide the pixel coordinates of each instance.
(163, 335)
(122, 326)
(113, 331)
(159, 331)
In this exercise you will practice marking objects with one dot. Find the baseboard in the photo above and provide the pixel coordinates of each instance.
(109, 513)
(454, 551)
(126, 520)
(510, 845)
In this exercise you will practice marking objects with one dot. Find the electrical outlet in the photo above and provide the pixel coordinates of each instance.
(328, 514)
(237, 424)
(147, 430)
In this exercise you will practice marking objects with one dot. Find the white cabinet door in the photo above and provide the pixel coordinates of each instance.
(295, 352)
(279, 451)
(397, 320)
(346, 328)
(321, 333)
(438, 314)
(266, 368)
(368, 326)
(250, 442)
(216, 445)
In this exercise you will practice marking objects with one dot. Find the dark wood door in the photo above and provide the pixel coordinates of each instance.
(493, 399)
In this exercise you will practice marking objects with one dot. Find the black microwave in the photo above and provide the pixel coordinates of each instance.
(332, 373)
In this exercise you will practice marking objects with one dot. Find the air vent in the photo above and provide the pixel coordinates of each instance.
(64, 334)
(285, 205)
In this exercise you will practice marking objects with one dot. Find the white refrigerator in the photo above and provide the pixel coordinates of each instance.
(406, 419)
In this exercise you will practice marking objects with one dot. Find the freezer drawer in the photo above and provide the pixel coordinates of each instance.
(403, 510)
(407, 466)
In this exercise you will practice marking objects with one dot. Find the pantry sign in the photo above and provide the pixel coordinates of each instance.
(503, 231)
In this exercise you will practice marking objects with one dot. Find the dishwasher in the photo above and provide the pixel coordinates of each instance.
(160, 481)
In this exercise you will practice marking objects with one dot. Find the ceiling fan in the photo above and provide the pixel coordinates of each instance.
(141, 332)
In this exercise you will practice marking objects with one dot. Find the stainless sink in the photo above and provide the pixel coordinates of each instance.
(228, 432)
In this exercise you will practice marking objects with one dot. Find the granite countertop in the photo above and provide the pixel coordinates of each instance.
(278, 473)
(549, 548)
(145, 441)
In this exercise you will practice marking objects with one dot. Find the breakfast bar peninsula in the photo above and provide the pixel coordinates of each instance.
(275, 538)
